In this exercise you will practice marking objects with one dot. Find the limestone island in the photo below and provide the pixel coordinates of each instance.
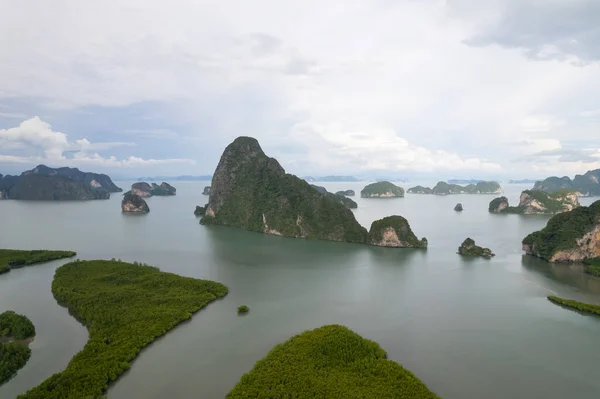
(346, 193)
(394, 231)
(14, 352)
(443, 188)
(329, 362)
(252, 191)
(347, 202)
(61, 184)
(206, 190)
(587, 184)
(458, 207)
(145, 190)
(468, 248)
(200, 210)
(382, 189)
(133, 203)
(534, 202)
(572, 236)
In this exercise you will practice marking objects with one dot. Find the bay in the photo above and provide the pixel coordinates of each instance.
(469, 328)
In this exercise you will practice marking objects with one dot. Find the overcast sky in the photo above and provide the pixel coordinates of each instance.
(455, 88)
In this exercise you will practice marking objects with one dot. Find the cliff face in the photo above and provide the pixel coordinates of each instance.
(382, 189)
(44, 183)
(133, 203)
(142, 189)
(568, 237)
(394, 231)
(252, 191)
(537, 202)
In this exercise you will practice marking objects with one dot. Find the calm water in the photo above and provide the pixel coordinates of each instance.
(469, 328)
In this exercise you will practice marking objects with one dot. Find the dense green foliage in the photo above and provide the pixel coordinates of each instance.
(329, 362)
(13, 357)
(420, 190)
(468, 248)
(252, 191)
(164, 189)
(15, 326)
(243, 309)
(563, 230)
(347, 202)
(587, 184)
(382, 189)
(495, 204)
(402, 229)
(14, 258)
(125, 307)
(593, 266)
(580, 306)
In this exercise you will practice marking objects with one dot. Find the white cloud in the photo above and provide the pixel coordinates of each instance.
(42, 144)
(540, 123)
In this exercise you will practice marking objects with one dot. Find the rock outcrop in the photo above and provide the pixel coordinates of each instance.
(347, 202)
(458, 207)
(572, 236)
(49, 184)
(394, 231)
(468, 248)
(347, 193)
(252, 191)
(206, 190)
(537, 202)
(443, 188)
(382, 189)
(133, 203)
(587, 184)
(145, 190)
(200, 210)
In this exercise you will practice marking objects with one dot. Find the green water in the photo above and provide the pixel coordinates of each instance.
(469, 328)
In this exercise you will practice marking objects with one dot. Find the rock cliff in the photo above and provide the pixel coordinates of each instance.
(394, 231)
(587, 184)
(133, 203)
(141, 189)
(382, 189)
(206, 190)
(468, 248)
(537, 202)
(144, 189)
(252, 191)
(458, 207)
(49, 184)
(572, 236)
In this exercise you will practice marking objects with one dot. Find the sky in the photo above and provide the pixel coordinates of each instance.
(448, 88)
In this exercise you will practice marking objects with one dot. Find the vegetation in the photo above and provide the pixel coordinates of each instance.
(468, 248)
(13, 325)
(125, 307)
(394, 231)
(14, 258)
(580, 306)
(329, 362)
(347, 202)
(382, 189)
(498, 204)
(563, 230)
(420, 190)
(556, 202)
(347, 193)
(243, 309)
(13, 356)
(443, 188)
(593, 266)
(200, 210)
(253, 192)
(133, 203)
(587, 184)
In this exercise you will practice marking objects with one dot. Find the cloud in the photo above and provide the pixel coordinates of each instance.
(545, 30)
(39, 143)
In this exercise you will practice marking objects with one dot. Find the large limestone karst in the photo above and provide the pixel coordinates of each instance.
(55, 184)
(537, 202)
(587, 184)
(572, 236)
(133, 203)
(394, 231)
(252, 191)
(382, 189)
(144, 189)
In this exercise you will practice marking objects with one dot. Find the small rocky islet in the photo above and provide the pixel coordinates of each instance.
(133, 203)
(469, 248)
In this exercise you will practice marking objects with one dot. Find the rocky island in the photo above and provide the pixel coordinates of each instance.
(443, 188)
(200, 210)
(61, 184)
(347, 202)
(144, 189)
(133, 203)
(382, 189)
(347, 193)
(468, 248)
(587, 184)
(394, 231)
(537, 202)
(458, 207)
(572, 236)
(206, 190)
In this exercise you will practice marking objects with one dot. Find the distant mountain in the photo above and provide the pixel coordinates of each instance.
(587, 184)
(49, 184)
(175, 178)
(523, 181)
(331, 179)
